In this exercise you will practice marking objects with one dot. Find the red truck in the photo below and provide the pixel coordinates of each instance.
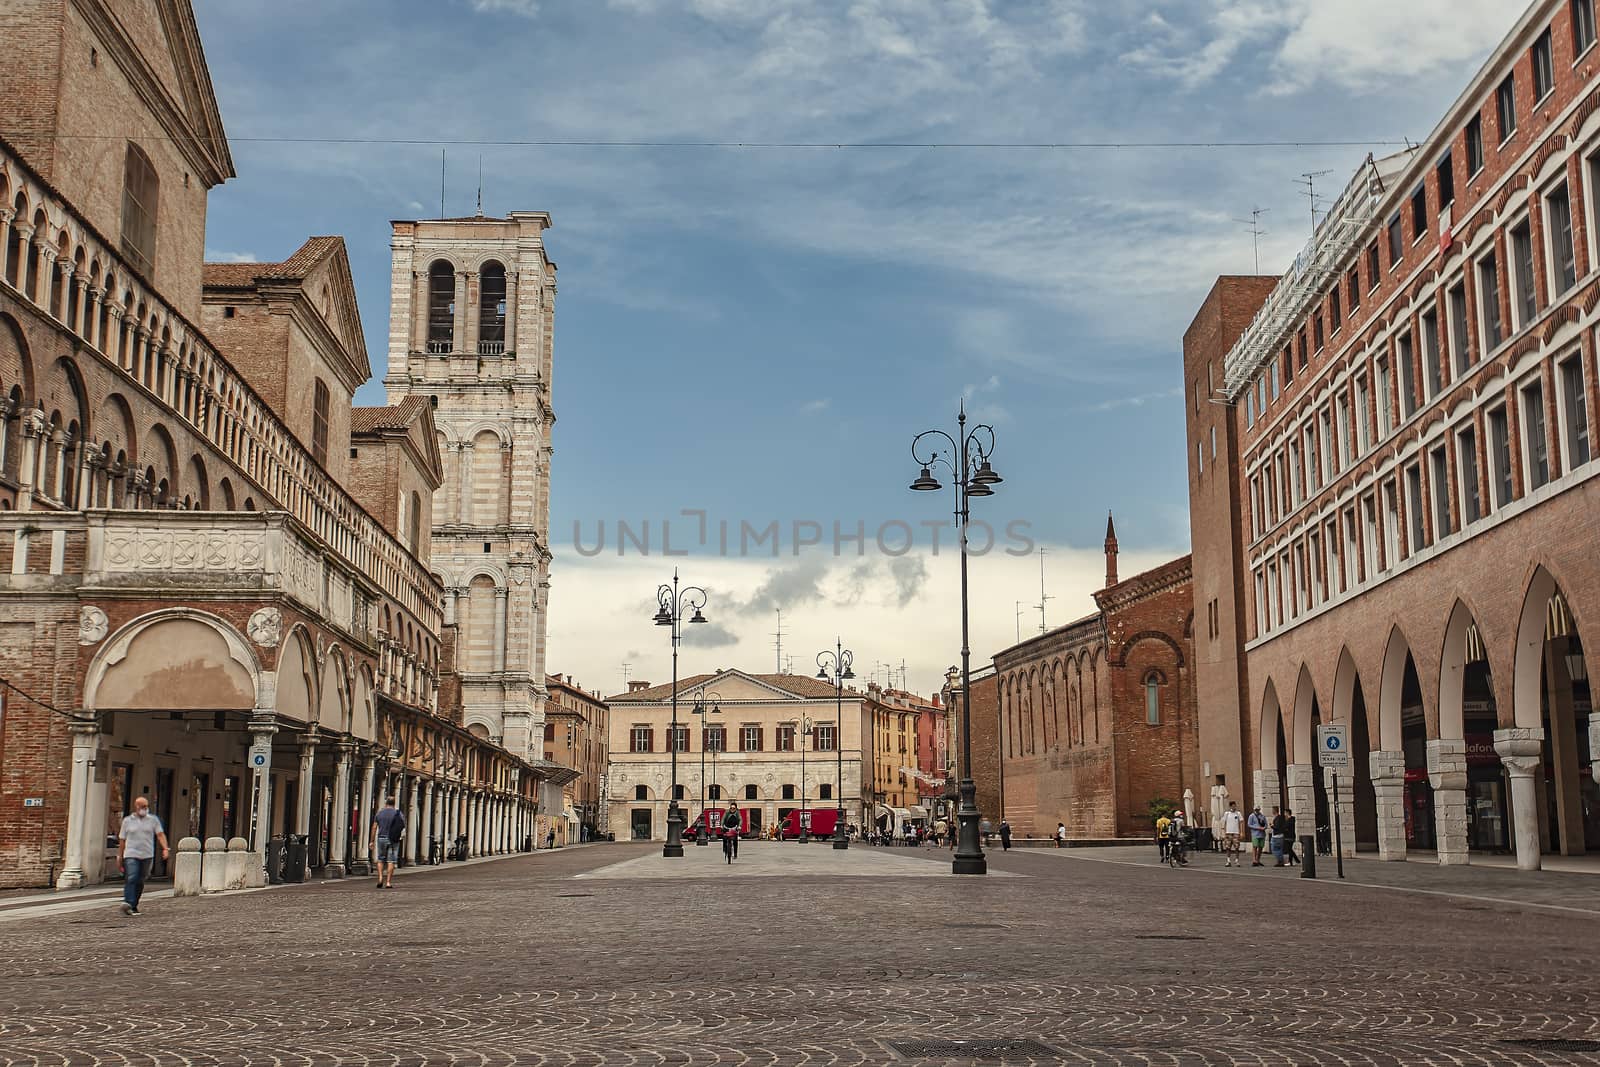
(694, 829)
(822, 822)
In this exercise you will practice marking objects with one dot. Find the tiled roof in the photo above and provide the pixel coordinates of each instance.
(395, 417)
(799, 684)
(295, 268)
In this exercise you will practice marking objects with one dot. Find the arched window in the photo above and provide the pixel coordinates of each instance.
(416, 522)
(750, 792)
(716, 792)
(492, 310)
(641, 792)
(319, 422)
(1152, 698)
(140, 192)
(441, 307)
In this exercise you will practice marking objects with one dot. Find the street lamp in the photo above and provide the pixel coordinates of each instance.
(701, 710)
(837, 664)
(802, 727)
(967, 460)
(671, 605)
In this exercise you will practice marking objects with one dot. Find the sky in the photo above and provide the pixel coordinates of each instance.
(753, 336)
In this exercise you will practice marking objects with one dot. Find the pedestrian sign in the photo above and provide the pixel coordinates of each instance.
(1333, 747)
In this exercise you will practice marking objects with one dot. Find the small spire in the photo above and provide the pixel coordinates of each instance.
(1111, 551)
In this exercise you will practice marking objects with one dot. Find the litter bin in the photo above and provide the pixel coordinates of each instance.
(1308, 856)
(294, 859)
(275, 860)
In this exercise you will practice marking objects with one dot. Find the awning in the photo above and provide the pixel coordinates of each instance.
(572, 816)
(552, 772)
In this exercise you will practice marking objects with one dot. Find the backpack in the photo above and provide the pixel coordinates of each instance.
(397, 828)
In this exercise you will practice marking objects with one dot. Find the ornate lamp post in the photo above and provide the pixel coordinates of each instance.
(671, 604)
(701, 710)
(837, 665)
(966, 457)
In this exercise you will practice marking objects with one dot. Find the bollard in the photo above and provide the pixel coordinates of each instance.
(186, 869)
(1308, 856)
(213, 870)
(274, 865)
(236, 867)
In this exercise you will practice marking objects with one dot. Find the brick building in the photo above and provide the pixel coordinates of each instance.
(1393, 503)
(984, 715)
(1097, 717)
(211, 590)
(577, 737)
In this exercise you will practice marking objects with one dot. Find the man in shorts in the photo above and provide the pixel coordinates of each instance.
(388, 833)
(137, 839)
(1232, 827)
(1257, 823)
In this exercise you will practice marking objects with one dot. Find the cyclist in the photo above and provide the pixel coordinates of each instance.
(731, 825)
(1175, 841)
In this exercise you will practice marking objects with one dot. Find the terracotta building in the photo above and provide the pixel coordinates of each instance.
(577, 737)
(1097, 717)
(906, 764)
(212, 592)
(1393, 481)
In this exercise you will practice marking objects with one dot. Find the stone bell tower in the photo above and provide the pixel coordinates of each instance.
(472, 311)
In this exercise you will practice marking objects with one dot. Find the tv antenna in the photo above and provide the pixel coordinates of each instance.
(441, 183)
(480, 185)
(1044, 598)
(777, 641)
(625, 666)
(1256, 232)
(1019, 621)
(1309, 181)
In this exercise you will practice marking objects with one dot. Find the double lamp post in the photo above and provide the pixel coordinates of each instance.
(834, 664)
(673, 604)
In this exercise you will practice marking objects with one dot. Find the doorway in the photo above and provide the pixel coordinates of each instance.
(165, 787)
(641, 820)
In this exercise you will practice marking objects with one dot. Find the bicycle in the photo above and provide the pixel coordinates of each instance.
(1177, 853)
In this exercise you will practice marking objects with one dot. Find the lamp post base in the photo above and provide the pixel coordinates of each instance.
(700, 839)
(674, 846)
(841, 839)
(969, 857)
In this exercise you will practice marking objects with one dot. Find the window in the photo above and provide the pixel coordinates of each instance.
(1544, 71)
(1274, 375)
(1333, 310)
(643, 739)
(1467, 461)
(716, 739)
(1325, 449)
(1460, 350)
(1391, 525)
(1385, 401)
(680, 792)
(1249, 408)
(319, 422)
(788, 792)
(825, 790)
(1303, 350)
(1396, 242)
(1535, 449)
(1500, 457)
(1152, 699)
(1524, 299)
(492, 310)
(416, 522)
(1474, 145)
(1443, 523)
(441, 307)
(1355, 289)
(825, 735)
(680, 738)
(1404, 358)
(1295, 495)
(1316, 332)
(641, 792)
(1288, 360)
(1489, 303)
(1574, 411)
(1345, 435)
(1363, 419)
(750, 739)
(1415, 528)
(714, 792)
(1372, 266)
(750, 793)
(141, 191)
(1446, 173)
(1432, 364)
(1558, 224)
(1505, 102)
(1582, 27)
(786, 737)
(1419, 213)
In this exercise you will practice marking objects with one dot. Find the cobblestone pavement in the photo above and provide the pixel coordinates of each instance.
(521, 962)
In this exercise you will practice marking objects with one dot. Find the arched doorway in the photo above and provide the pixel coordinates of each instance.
(1468, 714)
(1357, 796)
(1407, 821)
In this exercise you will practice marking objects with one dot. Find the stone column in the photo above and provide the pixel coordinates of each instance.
(427, 834)
(463, 482)
(1302, 796)
(95, 296)
(32, 425)
(6, 215)
(263, 727)
(45, 278)
(1521, 749)
(302, 809)
(339, 860)
(501, 599)
(1389, 783)
(85, 750)
(474, 293)
(68, 317)
(1447, 772)
(59, 443)
(363, 863)
(463, 314)
(1345, 839)
(511, 311)
(1563, 749)
(413, 818)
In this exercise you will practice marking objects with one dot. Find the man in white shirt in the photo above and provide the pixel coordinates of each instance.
(1232, 828)
(137, 839)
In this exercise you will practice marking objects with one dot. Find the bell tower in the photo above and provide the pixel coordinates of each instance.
(472, 311)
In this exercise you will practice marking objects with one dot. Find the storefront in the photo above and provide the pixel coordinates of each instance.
(1488, 819)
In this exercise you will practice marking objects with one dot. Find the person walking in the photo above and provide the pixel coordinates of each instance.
(1257, 825)
(1279, 826)
(388, 834)
(731, 825)
(550, 838)
(137, 838)
(1289, 838)
(1061, 835)
(1232, 827)
(1161, 835)
(1005, 836)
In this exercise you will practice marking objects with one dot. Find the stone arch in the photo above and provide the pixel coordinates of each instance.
(490, 503)
(1302, 750)
(1148, 635)
(1462, 648)
(1527, 665)
(361, 710)
(478, 649)
(334, 701)
(199, 489)
(1391, 680)
(1270, 726)
(297, 677)
(174, 659)
(160, 457)
(16, 362)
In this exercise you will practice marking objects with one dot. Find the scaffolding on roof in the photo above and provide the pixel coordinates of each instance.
(1318, 264)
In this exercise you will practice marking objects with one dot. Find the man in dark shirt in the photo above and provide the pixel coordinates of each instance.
(1279, 828)
(388, 832)
(1289, 837)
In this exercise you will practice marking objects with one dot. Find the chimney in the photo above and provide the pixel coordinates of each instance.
(635, 686)
(1111, 552)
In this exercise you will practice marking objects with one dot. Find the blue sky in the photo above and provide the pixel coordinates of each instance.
(758, 333)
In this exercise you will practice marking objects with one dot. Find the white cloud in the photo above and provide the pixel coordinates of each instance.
(213, 256)
(816, 407)
(525, 8)
(1136, 400)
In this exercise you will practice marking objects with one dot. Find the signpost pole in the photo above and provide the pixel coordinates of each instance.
(1338, 837)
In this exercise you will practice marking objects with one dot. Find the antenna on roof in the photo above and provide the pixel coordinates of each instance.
(1019, 621)
(625, 666)
(1309, 180)
(441, 183)
(1044, 598)
(480, 185)
(777, 641)
(1256, 232)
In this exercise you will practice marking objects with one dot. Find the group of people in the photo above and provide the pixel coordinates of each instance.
(1276, 835)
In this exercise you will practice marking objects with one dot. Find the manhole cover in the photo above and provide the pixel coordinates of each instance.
(976, 926)
(1555, 1044)
(976, 1049)
(574, 894)
(1167, 937)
